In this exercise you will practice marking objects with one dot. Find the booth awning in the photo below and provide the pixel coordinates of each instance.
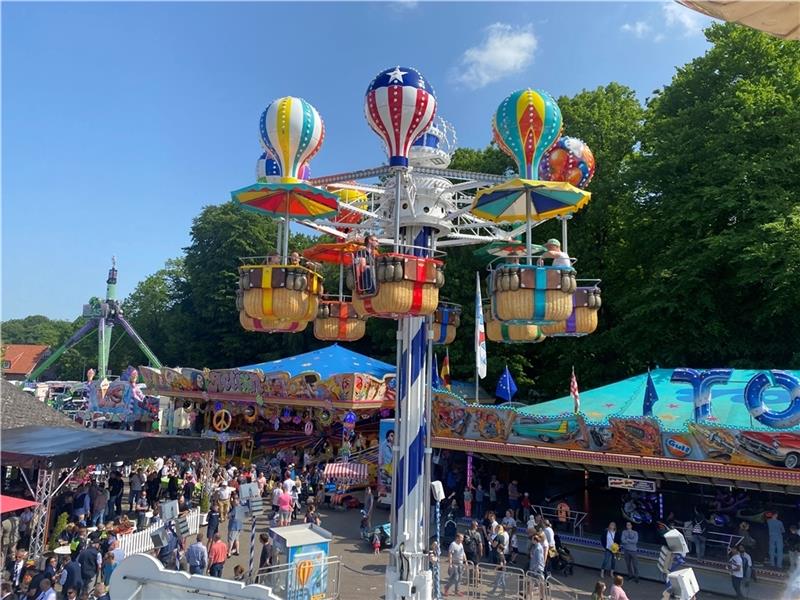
(346, 471)
(10, 504)
(63, 447)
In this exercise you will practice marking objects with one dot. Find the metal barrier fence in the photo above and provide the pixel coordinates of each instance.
(483, 581)
(318, 579)
(140, 541)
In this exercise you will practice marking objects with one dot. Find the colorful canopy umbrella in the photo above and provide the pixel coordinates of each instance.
(504, 248)
(528, 200)
(287, 200)
(10, 504)
(780, 18)
(352, 197)
(337, 253)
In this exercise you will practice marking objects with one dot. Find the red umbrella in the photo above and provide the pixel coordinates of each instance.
(10, 504)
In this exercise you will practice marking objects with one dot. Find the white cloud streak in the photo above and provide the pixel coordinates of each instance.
(505, 50)
(639, 29)
(675, 15)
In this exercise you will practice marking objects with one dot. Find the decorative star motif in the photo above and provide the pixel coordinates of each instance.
(608, 405)
(673, 405)
(712, 418)
(396, 75)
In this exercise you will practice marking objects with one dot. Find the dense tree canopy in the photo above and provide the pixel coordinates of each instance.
(694, 229)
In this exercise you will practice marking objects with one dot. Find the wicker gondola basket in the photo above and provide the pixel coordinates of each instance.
(583, 319)
(338, 321)
(280, 292)
(403, 285)
(532, 294)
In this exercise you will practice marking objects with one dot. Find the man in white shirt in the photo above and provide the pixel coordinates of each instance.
(560, 259)
(457, 561)
(276, 496)
(224, 497)
(736, 567)
(288, 485)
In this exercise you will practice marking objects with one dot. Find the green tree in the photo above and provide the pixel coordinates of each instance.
(714, 244)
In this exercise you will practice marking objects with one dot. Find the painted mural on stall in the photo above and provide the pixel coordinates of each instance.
(270, 387)
(773, 440)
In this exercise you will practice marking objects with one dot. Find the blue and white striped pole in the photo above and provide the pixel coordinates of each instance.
(411, 495)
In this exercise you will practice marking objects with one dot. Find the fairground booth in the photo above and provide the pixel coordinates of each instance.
(327, 403)
(659, 450)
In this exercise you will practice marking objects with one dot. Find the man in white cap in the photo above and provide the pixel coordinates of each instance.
(560, 259)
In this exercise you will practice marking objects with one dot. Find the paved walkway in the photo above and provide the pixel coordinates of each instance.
(362, 575)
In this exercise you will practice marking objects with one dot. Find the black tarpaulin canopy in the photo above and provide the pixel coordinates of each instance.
(63, 447)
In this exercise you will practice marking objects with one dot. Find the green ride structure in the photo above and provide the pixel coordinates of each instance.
(102, 315)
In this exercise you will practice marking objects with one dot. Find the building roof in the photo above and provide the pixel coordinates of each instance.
(675, 405)
(20, 409)
(21, 358)
(333, 360)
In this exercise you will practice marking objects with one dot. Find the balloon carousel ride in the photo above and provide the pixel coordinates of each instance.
(416, 207)
(284, 297)
(337, 319)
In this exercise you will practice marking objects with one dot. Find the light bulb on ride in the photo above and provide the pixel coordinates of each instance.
(293, 131)
(527, 123)
(399, 105)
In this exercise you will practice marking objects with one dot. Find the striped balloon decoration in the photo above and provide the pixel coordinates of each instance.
(268, 168)
(400, 106)
(293, 131)
(525, 125)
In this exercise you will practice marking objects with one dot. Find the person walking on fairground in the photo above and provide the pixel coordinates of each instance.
(776, 533)
(217, 554)
(457, 562)
(608, 541)
(599, 592)
(617, 593)
(197, 556)
(630, 549)
(500, 561)
(736, 567)
(376, 541)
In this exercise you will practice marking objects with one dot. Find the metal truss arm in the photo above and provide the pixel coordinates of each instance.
(73, 339)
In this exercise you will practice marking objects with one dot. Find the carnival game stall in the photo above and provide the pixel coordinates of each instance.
(327, 400)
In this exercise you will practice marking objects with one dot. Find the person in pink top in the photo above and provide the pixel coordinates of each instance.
(617, 593)
(285, 502)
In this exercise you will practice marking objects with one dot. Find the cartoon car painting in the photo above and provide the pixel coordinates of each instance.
(716, 443)
(778, 448)
(554, 430)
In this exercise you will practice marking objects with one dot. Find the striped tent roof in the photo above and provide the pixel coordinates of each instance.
(346, 471)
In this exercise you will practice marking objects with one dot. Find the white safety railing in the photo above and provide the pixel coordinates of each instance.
(140, 541)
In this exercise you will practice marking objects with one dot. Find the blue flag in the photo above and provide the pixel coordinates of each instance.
(650, 397)
(436, 381)
(506, 388)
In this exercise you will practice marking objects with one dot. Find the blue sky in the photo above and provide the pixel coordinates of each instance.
(121, 121)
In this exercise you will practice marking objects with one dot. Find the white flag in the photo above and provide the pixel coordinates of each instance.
(480, 330)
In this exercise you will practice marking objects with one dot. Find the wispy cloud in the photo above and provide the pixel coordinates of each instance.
(639, 29)
(675, 15)
(505, 50)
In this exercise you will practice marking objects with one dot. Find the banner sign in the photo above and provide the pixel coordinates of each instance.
(640, 485)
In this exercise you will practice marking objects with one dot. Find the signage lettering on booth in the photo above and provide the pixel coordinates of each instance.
(640, 485)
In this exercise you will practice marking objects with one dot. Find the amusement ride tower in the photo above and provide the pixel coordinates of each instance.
(418, 208)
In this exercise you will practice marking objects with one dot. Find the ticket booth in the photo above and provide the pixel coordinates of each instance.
(303, 549)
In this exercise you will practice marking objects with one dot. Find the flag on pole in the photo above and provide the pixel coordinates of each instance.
(573, 390)
(445, 376)
(506, 387)
(480, 331)
(436, 381)
(650, 396)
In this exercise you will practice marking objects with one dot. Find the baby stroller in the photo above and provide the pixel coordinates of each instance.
(563, 562)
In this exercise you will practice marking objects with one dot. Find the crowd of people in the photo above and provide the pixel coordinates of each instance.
(93, 516)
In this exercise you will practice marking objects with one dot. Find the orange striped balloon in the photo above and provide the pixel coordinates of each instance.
(303, 571)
